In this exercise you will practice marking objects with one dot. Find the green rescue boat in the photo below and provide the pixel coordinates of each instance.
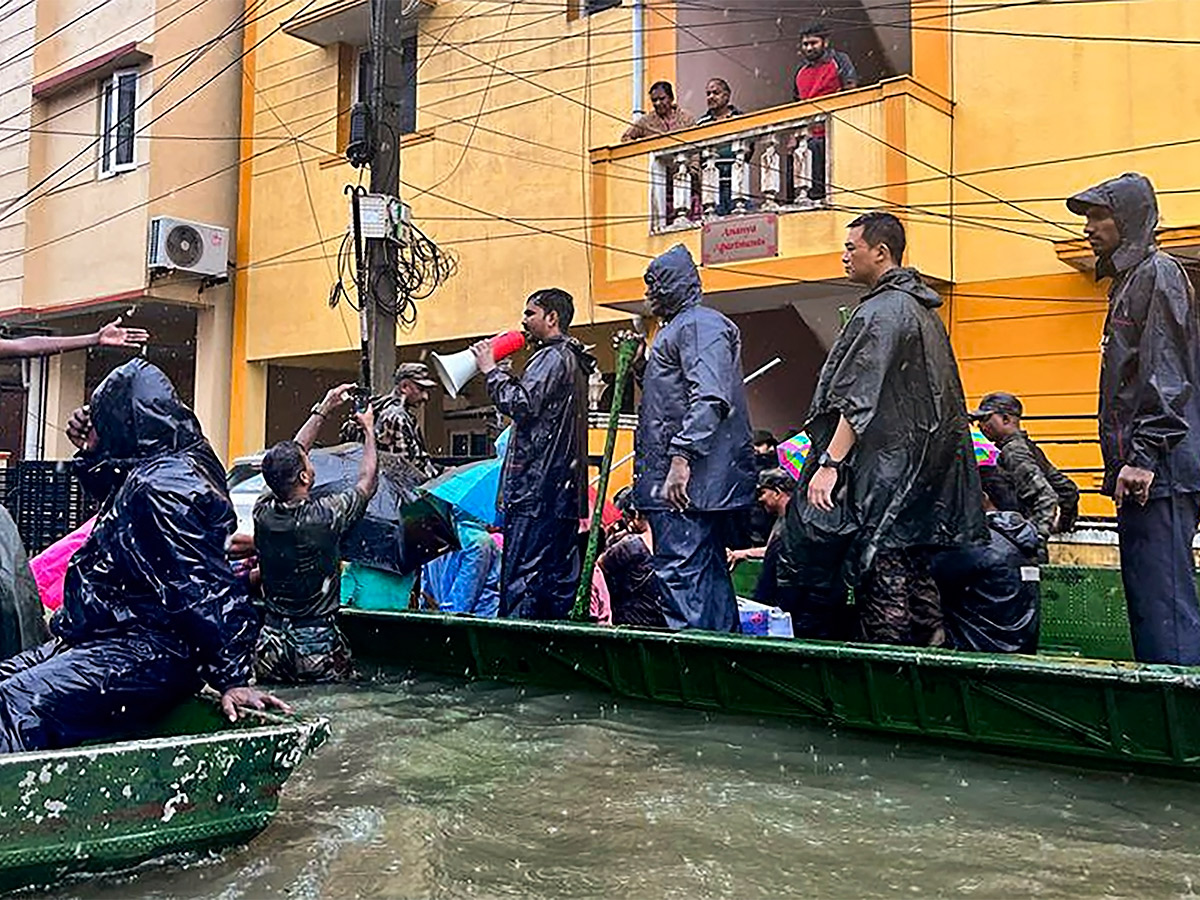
(199, 782)
(1079, 701)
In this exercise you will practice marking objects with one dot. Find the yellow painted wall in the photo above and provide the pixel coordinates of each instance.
(490, 146)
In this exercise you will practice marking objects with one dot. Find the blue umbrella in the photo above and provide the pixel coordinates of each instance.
(473, 488)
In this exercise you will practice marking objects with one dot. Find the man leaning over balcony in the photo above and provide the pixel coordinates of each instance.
(667, 115)
(824, 71)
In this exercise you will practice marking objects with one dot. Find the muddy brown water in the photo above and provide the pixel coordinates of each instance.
(435, 788)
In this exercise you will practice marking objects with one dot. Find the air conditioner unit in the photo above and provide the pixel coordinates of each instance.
(188, 247)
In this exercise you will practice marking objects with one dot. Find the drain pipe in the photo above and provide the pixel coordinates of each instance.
(639, 56)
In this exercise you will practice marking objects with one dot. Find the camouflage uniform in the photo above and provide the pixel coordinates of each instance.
(1066, 489)
(301, 571)
(1039, 502)
(900, 575)
(396, 431)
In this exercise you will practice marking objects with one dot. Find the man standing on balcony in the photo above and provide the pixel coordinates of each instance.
(1149, 416)
(891, 469)
(667, 115)
(824, 71)
(718, 96)
(543, 487)
(694, 464)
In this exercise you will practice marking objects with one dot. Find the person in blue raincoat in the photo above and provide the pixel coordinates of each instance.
(467, 580)
(694, 460)
(151, 607)
(543, 489)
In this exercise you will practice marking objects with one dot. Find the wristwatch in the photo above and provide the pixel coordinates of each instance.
(317, 411)
(828, 462)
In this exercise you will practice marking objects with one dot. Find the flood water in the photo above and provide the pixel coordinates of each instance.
(443, 789)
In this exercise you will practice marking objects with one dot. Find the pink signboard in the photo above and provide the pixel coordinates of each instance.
(739, 237)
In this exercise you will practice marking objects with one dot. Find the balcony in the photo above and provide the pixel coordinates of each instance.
(886, 146)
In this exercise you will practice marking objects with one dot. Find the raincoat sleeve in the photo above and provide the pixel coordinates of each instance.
(523, 398)
(706, 359)
(1164, 386)
(184, 559)
(872, 339)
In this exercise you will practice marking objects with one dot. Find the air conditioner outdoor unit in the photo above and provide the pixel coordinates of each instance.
(188, 247)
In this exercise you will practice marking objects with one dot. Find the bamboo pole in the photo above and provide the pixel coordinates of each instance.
(626, 349)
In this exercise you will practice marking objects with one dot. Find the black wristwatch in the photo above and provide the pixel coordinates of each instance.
(828, 462)
(317, 411)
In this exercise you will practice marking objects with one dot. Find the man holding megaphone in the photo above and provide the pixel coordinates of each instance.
(543, 489)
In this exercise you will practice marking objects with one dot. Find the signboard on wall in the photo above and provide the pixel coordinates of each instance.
(737, 238)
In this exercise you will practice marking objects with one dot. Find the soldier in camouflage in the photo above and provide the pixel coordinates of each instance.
(1047, 497)
(396, 428)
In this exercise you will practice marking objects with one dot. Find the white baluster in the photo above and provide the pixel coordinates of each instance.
(682, 188)
(739, 178)
(710, 182)
(769, 174)
(802, 169)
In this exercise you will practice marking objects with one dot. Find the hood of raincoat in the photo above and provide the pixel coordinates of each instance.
(1135, 209)
(673, 282)
(138, 416)
(1017, 529)
(908, 281)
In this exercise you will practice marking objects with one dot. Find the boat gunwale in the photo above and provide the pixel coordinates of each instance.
(1065, 667)
(305, 729)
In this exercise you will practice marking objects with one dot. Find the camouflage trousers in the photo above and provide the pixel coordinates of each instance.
(304, 651)
(898, 601)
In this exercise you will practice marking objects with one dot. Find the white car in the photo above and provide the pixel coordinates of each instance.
(246, 484)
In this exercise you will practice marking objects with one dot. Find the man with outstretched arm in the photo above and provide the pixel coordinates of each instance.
(297, 536)
(543, 489)
(1149, 415)
(111, 335)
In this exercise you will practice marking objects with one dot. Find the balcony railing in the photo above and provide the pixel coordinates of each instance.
(782, 167)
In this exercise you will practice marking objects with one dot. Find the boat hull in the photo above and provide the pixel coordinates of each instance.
(204, 783)
(1096, 712)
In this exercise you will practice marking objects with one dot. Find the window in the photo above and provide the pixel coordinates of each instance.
(118, 105)
(577, 9)
(356, 69)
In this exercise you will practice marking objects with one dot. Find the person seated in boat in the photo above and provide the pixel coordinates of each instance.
(466, 581)
(990, 593)
(151, 608)
(296, 536)
(775, 488)
(628, 568)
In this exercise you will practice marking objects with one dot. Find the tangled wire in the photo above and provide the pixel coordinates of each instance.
(417, 268)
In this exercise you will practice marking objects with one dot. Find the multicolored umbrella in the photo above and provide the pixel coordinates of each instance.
(792, 453)
(986, 453)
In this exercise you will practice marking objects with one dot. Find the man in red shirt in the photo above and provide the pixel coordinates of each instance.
(824, 71)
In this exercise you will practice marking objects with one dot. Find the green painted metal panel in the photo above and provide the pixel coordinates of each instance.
(199, 782)
(1077, 710)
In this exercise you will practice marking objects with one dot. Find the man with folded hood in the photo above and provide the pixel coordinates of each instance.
(543, 489)
(694, 457)
(891, 475)
(151, 608)
(1149, 416)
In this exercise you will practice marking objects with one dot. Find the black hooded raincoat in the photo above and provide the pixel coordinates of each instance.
(151, 607)
(693, 400)
(1149, 405)
(911, 479)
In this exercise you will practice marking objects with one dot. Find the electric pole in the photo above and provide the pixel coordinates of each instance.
(387, 74)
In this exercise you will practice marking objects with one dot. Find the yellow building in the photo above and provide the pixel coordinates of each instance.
(972, 122)
(120, 125)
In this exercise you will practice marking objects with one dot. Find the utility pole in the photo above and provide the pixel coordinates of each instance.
(387, 74)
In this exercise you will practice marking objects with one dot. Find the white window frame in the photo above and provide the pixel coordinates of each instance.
(110, 100)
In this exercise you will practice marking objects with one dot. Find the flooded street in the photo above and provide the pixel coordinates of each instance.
(440, 789)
